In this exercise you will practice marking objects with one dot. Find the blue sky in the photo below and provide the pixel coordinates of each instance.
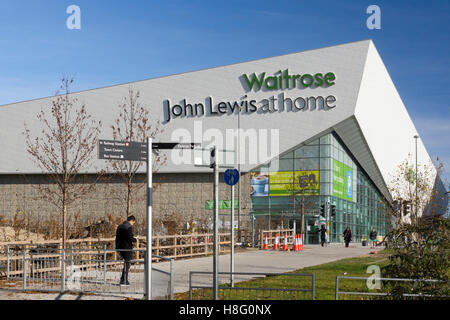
(124, 41)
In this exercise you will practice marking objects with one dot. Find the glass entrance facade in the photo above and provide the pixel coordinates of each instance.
(290, 190)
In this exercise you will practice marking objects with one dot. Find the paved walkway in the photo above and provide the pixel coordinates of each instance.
(262, 261)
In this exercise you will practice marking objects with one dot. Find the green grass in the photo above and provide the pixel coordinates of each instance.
(325, 280)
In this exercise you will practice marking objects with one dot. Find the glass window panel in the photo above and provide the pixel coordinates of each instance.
(314, 142)
(288, 155)
(326, 139)
(325, 163)
(307, 152)
(325, 151)
(325, 188)
(306, 164)
(282, 165)
(335, 154)
(325, 176)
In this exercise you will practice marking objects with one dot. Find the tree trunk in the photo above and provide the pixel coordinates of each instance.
(128, 213)
(64, 220)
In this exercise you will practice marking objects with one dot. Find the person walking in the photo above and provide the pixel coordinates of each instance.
(347, 236)
(373, 237)
(124, 243)
(323, 235)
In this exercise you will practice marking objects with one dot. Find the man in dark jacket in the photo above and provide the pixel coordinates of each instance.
(323, 235)
(124, 240)
(347, 236)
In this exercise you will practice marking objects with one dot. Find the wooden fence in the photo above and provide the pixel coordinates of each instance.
(173, 246)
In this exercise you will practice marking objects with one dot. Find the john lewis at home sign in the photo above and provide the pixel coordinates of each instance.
(280, 81)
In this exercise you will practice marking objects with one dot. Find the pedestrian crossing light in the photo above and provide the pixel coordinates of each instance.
(333, 210)
(322, 210)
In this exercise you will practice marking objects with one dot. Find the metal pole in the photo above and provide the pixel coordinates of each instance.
(63, 270)
(148, 252)
(239, 169)
(216, 227)
(327, 206)
(24, 268)
(336, 293)
(171, 279)
(71, 257)
(190, 285)
(416, 137)
(104, 263)
(294, 227)
(232, 238)
(7, 261)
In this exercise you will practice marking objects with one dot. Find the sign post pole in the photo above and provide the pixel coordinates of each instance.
(231, 177)
(148, 252)
(232, 238)
(216, 225)
(141, 151)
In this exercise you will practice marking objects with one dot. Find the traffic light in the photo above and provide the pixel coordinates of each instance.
(212, 158)
(322, 210)
(333, 210)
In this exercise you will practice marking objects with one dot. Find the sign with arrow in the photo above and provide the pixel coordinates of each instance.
(134, 151)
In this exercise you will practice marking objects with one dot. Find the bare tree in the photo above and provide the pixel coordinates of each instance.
(414, 192)
(133, 124)
(63, 150)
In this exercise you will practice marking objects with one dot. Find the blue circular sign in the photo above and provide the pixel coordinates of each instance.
(231, 177)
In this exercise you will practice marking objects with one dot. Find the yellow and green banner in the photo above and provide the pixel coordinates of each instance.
(287, 183)
(342, 181)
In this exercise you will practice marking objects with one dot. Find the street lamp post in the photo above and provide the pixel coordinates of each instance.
(416, 137)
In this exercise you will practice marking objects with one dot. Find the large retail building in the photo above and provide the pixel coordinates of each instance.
(307, 128)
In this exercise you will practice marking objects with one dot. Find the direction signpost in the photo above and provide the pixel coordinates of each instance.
(140, 151)
(122, 150)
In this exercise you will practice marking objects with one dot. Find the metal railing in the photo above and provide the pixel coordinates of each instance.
(87, 270)
(387, 295)
(244, 290)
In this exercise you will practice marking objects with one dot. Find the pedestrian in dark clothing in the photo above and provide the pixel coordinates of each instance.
(124, 240)
(347, 236)
(373, 237)
(323, 235)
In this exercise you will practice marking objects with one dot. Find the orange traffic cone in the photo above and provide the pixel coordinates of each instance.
(285, 244)
(266, 244)
(294, 243)
(276, 244)
(300, 243)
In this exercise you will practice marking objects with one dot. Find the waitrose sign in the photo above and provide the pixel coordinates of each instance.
(281, 80)
(284, 80)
